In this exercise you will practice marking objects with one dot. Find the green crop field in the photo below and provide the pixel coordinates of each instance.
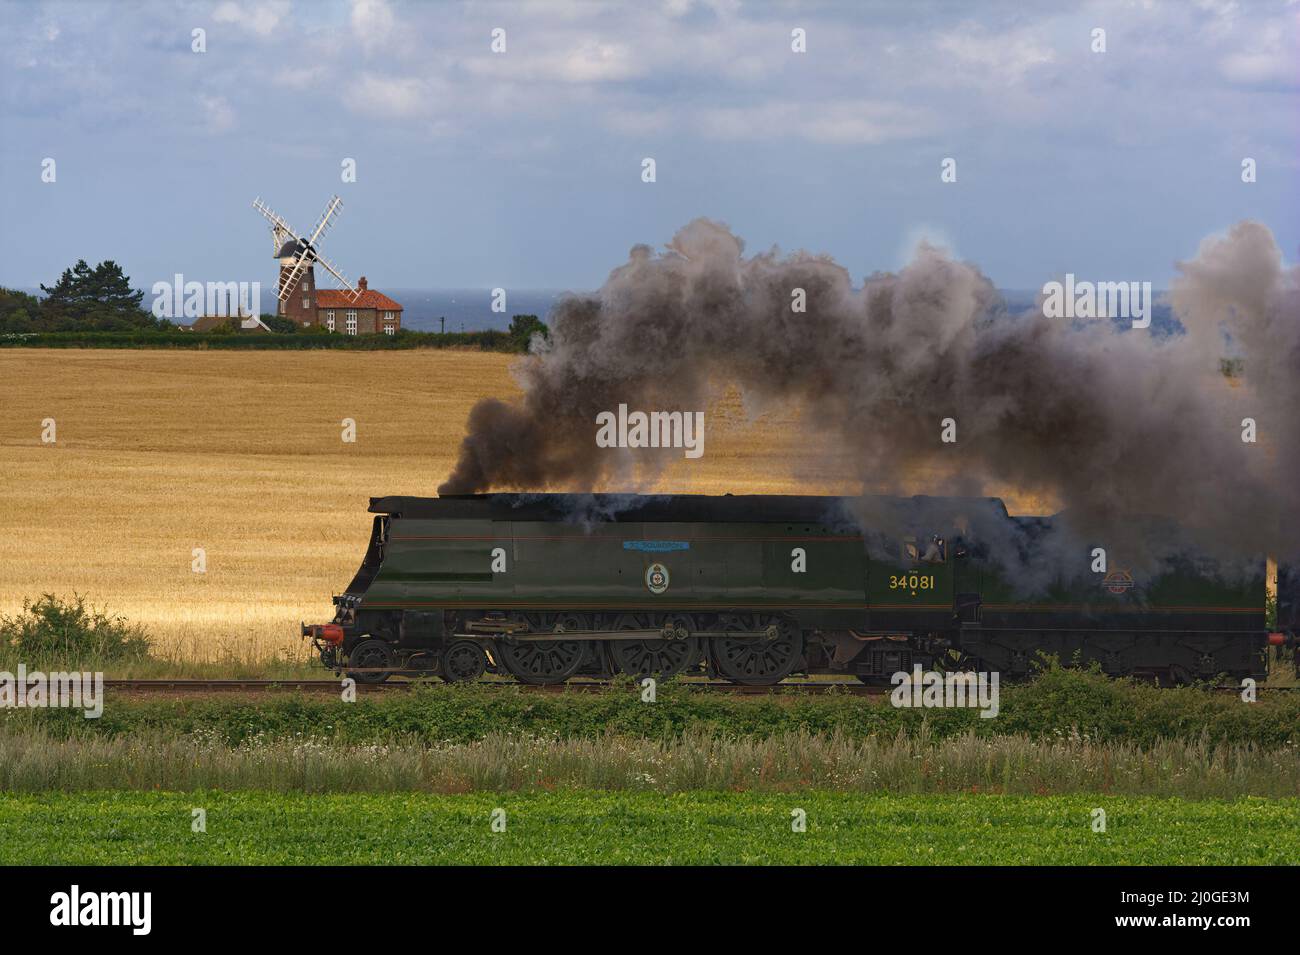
(1184, 776)
(642, 828)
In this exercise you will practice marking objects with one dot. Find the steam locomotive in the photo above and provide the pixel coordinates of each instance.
(751, 589)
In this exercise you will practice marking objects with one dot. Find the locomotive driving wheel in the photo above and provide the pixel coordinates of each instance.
(757, 661)
(660, 659)
(546, 661)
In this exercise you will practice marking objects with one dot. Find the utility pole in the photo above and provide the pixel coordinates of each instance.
(443, 320)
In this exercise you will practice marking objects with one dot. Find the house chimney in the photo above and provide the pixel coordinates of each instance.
(361, 283)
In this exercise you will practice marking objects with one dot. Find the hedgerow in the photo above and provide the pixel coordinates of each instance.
(1059, 702)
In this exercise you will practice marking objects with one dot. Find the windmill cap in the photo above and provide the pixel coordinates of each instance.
(290, 249)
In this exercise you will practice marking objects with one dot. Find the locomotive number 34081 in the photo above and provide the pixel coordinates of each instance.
(912, 582)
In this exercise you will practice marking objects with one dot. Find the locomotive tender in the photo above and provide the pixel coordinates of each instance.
(751, 589)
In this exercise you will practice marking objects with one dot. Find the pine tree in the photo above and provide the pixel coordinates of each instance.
(98, 299)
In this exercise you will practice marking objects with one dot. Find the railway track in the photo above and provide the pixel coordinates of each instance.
(581, 686)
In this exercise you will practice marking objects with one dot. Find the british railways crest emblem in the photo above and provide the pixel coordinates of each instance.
(1118, 581)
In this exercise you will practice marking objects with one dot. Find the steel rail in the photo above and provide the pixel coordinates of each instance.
(581, 686)
(578, 686)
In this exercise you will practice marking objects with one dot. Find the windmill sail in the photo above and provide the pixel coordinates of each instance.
(290, 244)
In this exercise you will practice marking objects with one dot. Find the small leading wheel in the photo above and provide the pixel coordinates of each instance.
(758, 661)
(372, 660)
(660, 659)
(463, 662)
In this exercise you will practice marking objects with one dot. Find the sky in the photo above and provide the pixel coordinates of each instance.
(524, 168)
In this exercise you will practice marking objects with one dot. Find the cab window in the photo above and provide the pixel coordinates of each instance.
(929, 550)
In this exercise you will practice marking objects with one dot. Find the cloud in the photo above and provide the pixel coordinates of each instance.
(372, 23)
(594, 61)
(998, 58)
(1266, 62)
(697, 70)
(299, 78)
(392, 97)
(218, 115)
(562, 59)
(261, 17)
(834, 123)
(639, 122)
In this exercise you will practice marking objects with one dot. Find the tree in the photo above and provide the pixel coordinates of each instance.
(523, 328)
(99, 299)
(18, 311)
(279, 324)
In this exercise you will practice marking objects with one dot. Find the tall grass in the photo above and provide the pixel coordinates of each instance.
(34, 761)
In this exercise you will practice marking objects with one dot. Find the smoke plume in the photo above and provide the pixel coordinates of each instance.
(1114, 422)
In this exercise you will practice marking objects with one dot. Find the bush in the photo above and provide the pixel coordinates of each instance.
(280, 325)
(523, 328)
(53, 628)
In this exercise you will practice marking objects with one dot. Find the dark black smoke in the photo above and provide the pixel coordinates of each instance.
(1112, 422)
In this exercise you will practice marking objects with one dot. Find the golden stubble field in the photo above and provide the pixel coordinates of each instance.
(160, 452)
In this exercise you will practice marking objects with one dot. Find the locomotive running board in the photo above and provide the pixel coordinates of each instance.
(769, 634)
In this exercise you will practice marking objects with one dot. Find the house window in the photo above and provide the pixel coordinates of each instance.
(352, 321)
(388, 329)
(388, 316)
(329, 319)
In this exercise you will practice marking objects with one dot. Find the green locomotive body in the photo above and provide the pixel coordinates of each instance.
(544, 587)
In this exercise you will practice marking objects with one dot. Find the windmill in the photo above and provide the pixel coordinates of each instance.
(298, 254)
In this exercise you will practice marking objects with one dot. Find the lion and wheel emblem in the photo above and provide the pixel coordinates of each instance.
(657, 578)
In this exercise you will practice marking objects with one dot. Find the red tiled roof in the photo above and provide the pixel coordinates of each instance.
(340, 298)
